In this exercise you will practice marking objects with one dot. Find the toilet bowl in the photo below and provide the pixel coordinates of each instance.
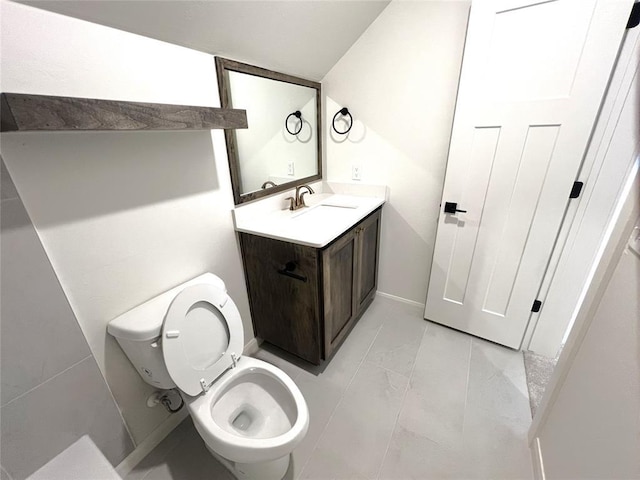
(249, 413)
(255, 414)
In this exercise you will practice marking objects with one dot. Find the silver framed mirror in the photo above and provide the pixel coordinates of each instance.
(282, 147)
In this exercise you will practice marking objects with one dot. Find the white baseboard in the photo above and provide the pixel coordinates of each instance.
(400, 299)
(251, 347)
(151, 442)
(536, 460)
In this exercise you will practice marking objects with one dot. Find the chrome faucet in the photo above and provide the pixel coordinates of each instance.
(298, 201)
(268, 183)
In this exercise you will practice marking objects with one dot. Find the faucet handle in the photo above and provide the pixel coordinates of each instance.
(291, 203)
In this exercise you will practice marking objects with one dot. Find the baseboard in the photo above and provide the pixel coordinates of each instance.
(251, 347)
(400, 299)
(536, 460)
(151, 442)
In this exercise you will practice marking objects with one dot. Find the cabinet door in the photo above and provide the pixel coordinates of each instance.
(339, 272)
(368, 238)
(284, 303)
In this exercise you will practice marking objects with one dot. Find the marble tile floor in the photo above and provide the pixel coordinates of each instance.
(402, 398)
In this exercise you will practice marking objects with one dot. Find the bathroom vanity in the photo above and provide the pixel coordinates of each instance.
(310, 275)
(310, 272)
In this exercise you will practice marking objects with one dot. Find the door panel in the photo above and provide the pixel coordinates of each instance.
(339, 271)
(340, 297)
(463, 240)
(285, 310)
(516, 209)
(368, 239)
(533, 76)
(527, 36)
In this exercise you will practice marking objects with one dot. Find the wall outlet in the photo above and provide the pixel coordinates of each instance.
(356, 172)
(290, 168)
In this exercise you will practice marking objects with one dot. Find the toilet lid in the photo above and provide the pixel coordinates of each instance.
(201, 330)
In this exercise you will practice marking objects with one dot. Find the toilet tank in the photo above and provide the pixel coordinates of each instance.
(139, 332)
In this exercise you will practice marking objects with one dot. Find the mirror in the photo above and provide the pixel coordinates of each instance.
(281, 148)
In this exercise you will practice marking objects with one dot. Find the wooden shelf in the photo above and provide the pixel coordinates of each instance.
(24, 113)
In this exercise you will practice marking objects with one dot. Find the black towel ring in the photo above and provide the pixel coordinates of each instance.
(298, 115)
(343, 111)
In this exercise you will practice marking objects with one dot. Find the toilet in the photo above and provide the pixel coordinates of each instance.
(249, 413)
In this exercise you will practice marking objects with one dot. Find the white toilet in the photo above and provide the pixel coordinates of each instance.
(249, 413)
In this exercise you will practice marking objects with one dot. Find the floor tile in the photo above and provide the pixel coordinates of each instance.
(157, 456)
(281, 359)
(396, 345)
(356, 438)
(435, 403)
(461, 414)
(497, 383)
(4, 475)
(413, 456)
(341, 368)
(189, 460)
(322, 398)
(498, 449)
(497, 417)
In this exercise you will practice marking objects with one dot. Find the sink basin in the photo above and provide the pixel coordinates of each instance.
(320, 215)
(321, 210)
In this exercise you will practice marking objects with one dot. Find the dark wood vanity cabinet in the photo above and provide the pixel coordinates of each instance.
(304, 299)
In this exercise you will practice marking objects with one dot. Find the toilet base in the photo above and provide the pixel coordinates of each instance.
(271, 470)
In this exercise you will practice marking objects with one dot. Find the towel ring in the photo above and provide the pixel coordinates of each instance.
(343, 111)
(298, 115)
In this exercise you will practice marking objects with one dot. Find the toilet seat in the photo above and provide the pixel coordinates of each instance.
(202, 337)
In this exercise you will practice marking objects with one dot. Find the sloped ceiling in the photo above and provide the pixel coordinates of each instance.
(298, 37)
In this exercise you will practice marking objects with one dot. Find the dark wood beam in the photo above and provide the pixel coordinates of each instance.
(23, 113)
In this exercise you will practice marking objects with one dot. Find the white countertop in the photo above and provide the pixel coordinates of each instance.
(327, 216)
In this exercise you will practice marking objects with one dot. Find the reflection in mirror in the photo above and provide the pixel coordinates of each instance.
(281, 147)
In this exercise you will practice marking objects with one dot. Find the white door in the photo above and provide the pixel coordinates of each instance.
(533, 76)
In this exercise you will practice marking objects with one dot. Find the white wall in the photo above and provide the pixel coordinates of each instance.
(265, 148)
(122, 216)
(303, 38)
(589, 423)
(399, 81)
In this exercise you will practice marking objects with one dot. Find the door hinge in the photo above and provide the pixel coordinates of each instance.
(576, 189)
(536, 306)
(634, 18)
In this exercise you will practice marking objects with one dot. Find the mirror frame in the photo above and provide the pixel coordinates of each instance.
(223, 67)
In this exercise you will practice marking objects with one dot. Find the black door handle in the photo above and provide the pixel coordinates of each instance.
(451, 207)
